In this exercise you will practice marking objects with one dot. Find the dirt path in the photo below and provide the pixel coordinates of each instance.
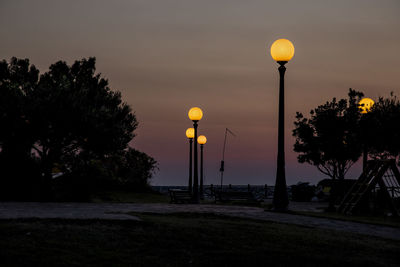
(14, 210)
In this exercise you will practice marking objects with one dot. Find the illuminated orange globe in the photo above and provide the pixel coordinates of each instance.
(195, 114)
(365, 105)
(190, 133)
(282, 50)
(201, 140)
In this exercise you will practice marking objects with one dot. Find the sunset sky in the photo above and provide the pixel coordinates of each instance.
(167, 56)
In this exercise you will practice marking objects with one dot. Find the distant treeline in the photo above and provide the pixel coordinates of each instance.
(64, 134)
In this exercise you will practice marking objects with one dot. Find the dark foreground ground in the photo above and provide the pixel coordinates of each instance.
(186, 240)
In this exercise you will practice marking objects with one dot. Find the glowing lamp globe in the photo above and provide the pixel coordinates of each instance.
(365, 105)
(195, 114)
(282, 50)
(201, 140)
(190, 133)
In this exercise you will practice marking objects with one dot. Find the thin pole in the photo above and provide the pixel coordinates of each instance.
(222, 177)
(223, 158)
(201, 171)
(196, 171)
(223, 150)
(222, 174)
(281, 200)
(223, 155)
(190, 164)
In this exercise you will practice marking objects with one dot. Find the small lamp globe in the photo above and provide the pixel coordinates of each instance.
(365, 105)
(195, 114)
(202, 140)
(282, 50)
(190, 133)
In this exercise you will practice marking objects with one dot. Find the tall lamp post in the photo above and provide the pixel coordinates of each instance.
(282, 50)
(190, 135)
(201, 140)
(195, 114)
(365, 105)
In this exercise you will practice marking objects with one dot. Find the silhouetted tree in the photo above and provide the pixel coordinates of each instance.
(329, 139)
(135, 169)
(76, 113)
(18, 79)
(69, 118)
(380, 128)
(127, 170)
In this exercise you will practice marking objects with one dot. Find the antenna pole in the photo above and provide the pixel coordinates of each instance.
(223, 150)
(221, 169)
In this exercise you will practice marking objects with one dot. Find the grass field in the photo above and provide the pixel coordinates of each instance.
(186, 240)
(376, 220)
(129, 197)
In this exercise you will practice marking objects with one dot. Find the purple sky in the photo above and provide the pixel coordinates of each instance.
(167, 56)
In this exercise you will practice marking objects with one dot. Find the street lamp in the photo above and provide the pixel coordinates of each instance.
(365, 106)
(282, 50)
(195, 114)
(201, 140)
(190, 135)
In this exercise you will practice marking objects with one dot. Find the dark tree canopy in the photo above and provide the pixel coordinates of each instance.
(77, 113)
(18, 79)
(329, 138)
(380, 128)
(132, 167)
(64, 118)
